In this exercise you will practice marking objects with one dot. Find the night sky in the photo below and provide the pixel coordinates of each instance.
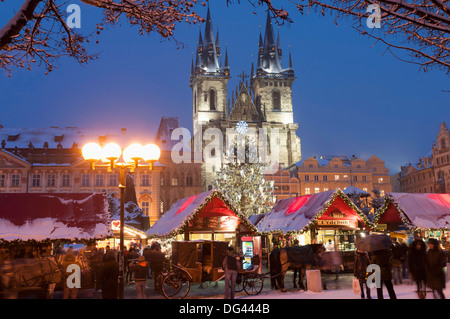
(350, 96)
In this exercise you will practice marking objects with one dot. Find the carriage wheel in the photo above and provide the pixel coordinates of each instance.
(253, 284)
(175, 285)
(239, 286)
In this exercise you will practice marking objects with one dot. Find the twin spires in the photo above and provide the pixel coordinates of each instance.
(208, 62)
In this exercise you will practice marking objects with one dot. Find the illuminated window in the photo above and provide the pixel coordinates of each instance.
(174, 181)
(380, 180)
(316, 190)
(307, 190)
(325, 189)
(146, 208)
(336, 177)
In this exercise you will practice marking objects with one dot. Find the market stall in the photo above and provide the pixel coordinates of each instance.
(208, 216)
(409, 215)
(329, 218)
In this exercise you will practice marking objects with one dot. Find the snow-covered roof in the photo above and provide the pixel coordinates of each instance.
(40, 216)
(66, 136)
(355, 190)
(424, 211)
(298, 213)
(178, 216)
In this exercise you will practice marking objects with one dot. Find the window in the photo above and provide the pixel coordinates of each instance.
(307, 190)
(98, 180)
(364, 178)
(276, 100)
(145, 180)
(85, 180)
(174, 181)
(316, 178)
(325, 189)
(380, 180)
(189, 180)
(212, 100)
(51, 180)
(113, 180)
(15, 180)
(2, 180)
(381, 192)
(161, 207)
(36, 180)
(336, 177)
(146, 208)
(345, 177)
(307, 178)
(161, 181)
(365, 189)
(316, 190)
(443, 143)
(325, 178)
(66, 180)
(355, 178)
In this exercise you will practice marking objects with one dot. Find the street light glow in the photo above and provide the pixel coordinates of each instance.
(151, 153)
(111, 153)
(133, 153)
(91, 152)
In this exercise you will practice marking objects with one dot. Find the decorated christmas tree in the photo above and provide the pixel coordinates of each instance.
(243, 182)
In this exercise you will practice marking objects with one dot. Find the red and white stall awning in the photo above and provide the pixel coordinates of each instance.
(54, 216)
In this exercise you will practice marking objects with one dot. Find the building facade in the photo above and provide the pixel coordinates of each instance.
(178, 180)
(431, 173)
(328, 172)
(50, 161)
(263, 105)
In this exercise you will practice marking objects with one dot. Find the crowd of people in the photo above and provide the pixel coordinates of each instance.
(138, 268)
(424, 266)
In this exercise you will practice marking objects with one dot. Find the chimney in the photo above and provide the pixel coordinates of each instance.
(124, 131)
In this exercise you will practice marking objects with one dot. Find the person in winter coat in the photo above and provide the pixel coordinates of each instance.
(68, 259)
(435, 272)
(231, 267)
(109, 274)
(156, 260)
(360, 271)
(382, 258)
(275, 268)
(417, 262)
(140, 277)
(396, 261)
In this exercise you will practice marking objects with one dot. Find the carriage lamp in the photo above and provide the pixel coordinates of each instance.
(111, 156)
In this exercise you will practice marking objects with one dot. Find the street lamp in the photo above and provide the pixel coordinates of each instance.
(111, 156)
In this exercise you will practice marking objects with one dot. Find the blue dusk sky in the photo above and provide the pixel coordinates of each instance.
(350, 96)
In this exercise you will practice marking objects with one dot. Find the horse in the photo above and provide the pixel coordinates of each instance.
(296, 257)
(25, 274)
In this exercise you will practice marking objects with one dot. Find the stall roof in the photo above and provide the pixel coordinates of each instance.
(208, 204)
(54, 216)
(356, 191)
(423, 211)
(299, 213)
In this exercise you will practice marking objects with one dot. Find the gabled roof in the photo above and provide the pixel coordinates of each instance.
(40, 216)
(209, 204)
(416, 211)
(244, 108)
(298, 214)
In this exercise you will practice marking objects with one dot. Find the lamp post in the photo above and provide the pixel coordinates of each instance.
(111, 156)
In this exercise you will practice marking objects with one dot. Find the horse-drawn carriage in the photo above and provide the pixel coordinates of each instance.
(200, 261)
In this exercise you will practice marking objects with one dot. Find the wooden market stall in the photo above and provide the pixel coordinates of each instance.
(207, 220)
(409, 215)
(318, 218)
(34, 228)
